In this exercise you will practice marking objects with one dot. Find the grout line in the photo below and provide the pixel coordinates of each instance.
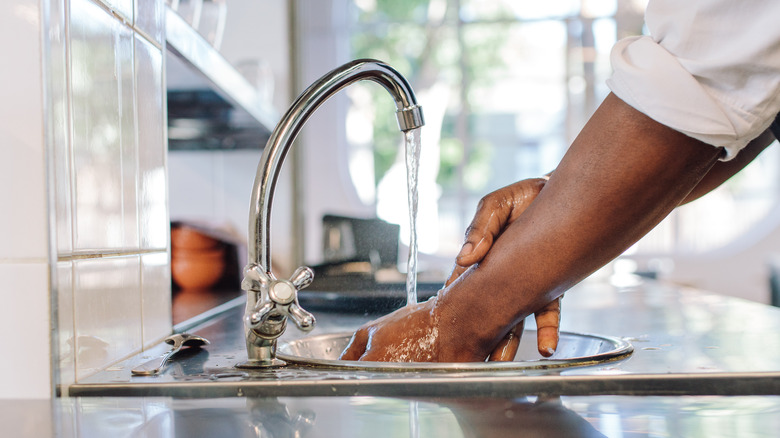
(106, 254)
(129, 22)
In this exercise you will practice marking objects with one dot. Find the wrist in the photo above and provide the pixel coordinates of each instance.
(469, 325)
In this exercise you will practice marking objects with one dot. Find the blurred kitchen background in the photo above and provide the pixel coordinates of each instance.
(505, 86)
(125, 119)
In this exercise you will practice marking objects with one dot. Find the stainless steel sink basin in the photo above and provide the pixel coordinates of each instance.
(706, 358)
(574, 349)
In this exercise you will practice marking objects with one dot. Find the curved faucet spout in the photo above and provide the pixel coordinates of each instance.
(271, 301)
(408, 113)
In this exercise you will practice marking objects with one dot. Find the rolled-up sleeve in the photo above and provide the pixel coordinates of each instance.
(709, 69)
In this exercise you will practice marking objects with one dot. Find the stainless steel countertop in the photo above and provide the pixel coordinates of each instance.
(379, 417)
(687, 342)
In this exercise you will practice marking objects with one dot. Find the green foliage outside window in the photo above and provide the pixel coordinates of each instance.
(428, 51)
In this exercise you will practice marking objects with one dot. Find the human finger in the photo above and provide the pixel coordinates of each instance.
(456, 272)
(506, 350)
(356, 347)
(492, 215)
(495, 212)
(548, 322)
(491, 218)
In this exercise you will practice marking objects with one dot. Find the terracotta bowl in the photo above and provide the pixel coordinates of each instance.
(215, 253)
(197, 269)
(189, 238)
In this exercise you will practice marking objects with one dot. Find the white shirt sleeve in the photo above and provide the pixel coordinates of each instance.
(709, 69)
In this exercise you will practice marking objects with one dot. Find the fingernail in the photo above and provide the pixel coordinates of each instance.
(466, 249)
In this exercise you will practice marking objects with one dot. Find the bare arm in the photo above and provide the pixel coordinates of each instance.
(500, 208)
(621, 176)
(495, 212)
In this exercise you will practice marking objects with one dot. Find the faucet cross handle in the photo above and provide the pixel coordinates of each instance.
(285, 293)
(279, 298)
(256, 279)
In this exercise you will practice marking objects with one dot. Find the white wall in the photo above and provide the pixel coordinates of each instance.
(85, 230)
(259, 30)
(215, 186)
(327, 185)
(24, 246)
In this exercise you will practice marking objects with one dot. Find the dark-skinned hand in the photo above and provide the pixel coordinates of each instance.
(494, 213)
(620, 177)
(409, 334)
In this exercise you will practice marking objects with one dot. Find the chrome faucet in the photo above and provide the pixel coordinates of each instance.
(271, 301)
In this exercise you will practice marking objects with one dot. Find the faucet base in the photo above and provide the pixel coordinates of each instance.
(257, 364)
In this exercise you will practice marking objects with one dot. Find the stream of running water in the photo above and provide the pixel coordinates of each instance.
(412, 171)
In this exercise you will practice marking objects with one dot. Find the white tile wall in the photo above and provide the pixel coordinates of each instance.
(123, 8)
(101, 54)
(152, 148)
(23, 228)
(58, 127)
(128, 135)
(24, 236)
(119, 188)
(25, 371)
(107, 311)
(88, 98)
(22, 166)
(149, 17)
(155, 307)
(66, 339)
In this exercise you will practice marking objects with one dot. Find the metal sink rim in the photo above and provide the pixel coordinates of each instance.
(621, 349)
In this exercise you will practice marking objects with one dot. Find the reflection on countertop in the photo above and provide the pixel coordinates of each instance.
(189, 303)
(378, 417)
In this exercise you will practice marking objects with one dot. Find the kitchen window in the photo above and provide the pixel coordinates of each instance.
(505, 87)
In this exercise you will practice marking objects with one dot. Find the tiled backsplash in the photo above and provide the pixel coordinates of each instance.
(104, 147)
(121, 278)
(83, 188)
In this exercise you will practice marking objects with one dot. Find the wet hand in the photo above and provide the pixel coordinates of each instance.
(407, 335)
(412, 333)
(494, 213)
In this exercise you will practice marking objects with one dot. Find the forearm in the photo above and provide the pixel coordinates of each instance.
(621, 176)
